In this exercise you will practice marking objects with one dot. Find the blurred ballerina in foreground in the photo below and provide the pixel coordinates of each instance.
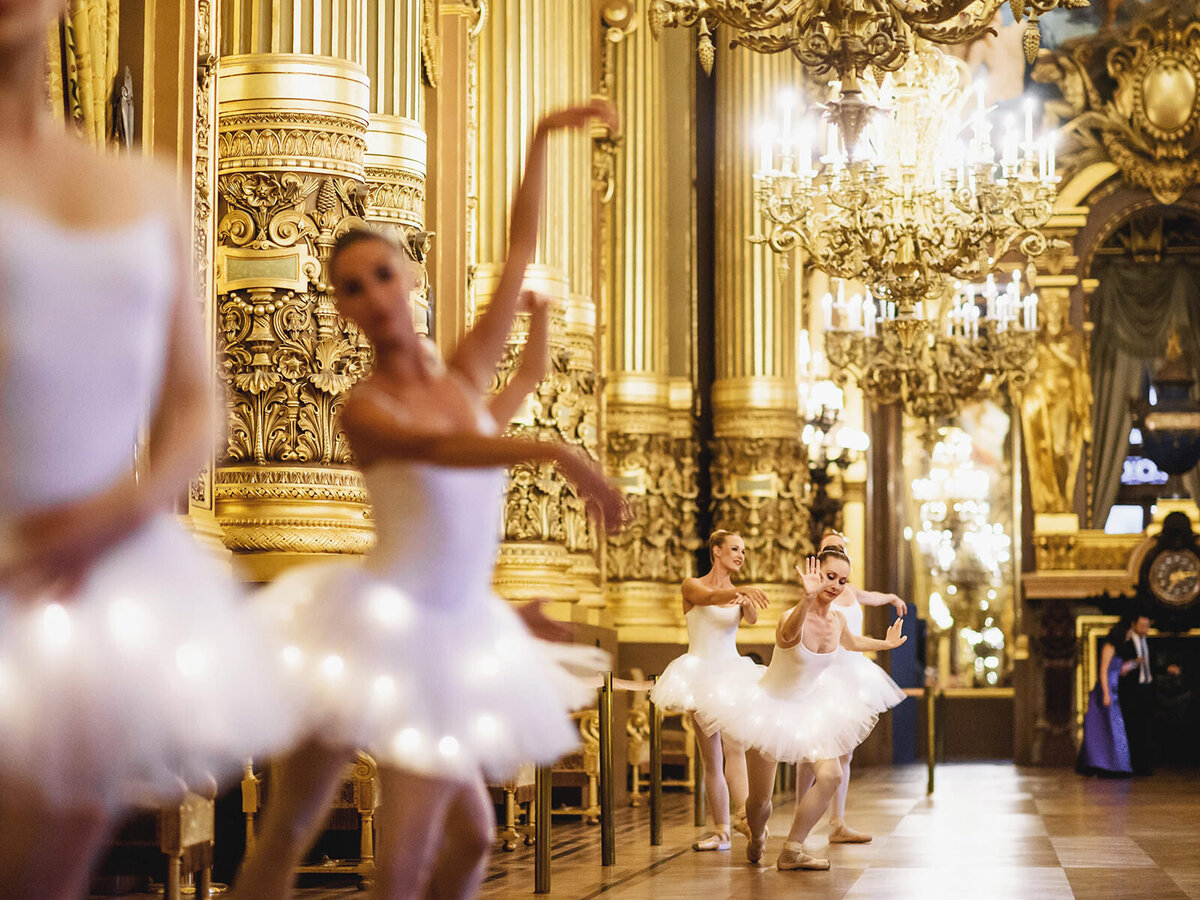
(126, 665)
(412, 656)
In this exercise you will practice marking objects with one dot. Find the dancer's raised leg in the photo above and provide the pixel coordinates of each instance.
(760, 771)
(839, 831)
(411, 821)
(716, 791)
(470, 831)
(307, 781)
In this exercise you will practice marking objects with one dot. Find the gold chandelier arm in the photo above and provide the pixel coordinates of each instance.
(976, 12)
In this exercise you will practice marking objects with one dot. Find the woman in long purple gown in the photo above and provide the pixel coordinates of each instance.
(1105, 749)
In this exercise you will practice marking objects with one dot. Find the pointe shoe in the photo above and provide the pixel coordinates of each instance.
(791, 858)
(843, 834)
(741, 826)
(756, 848)
(715, 841)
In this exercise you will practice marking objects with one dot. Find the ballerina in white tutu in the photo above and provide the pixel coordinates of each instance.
(126, 663)
(415, 659)
(713, 608)
(849, 603)
(814, 704)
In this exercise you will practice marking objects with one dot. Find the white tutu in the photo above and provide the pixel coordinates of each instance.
(688, 682)
(822, 713)
(149, 675)
(443, 690)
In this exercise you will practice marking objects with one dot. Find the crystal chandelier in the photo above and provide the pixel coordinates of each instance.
(979, 342)
(911, 200)
(844, 38)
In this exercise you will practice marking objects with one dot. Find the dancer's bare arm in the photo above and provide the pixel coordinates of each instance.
(535, 360)
(479, 351)
(697, 593)
(877, 598)
(377, 432)
(852, 641)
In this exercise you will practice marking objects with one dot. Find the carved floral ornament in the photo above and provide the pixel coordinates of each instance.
(1134, 97)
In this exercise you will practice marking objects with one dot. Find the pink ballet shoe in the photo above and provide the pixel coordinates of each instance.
(756, 848)
(792, 857)
(843, 834)
(741, 826)
(718, 840)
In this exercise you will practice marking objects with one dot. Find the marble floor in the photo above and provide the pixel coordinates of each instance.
(990, 831)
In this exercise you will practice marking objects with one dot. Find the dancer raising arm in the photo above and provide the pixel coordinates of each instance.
(414, 658)
(814, 705)
(713, 608)
(849, 603)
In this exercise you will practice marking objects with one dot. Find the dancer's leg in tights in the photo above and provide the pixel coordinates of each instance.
(760, 770)
(837, 812)
(308, 780)
(470, 831)
(735, 774)
(827, 775)
(47, 853)
(716, 791)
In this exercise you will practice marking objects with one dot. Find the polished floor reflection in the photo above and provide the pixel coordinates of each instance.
(990, 831)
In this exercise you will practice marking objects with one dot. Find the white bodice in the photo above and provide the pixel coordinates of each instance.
(437, 529)
(793, 669)
(853, 614)
(84, 317)
(712, 631)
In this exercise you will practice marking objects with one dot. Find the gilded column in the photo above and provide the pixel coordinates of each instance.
(293, 113)
(399, 48)
(759, 469)
(546, 530)
(638, 389)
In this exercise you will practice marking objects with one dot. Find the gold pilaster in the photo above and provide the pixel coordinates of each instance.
(759, 469)
(644, 560)
(549, 543)
(293, 112)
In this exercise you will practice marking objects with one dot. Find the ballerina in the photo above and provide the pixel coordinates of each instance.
(128, 669)
(416, 659)
(849, 603)
(713, 608)
(814, 705)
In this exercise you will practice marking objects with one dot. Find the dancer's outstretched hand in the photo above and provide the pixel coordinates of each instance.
(894, 638)
(603, 498)
(900, 605)
(751, 597)
(577, 116)
(810, 575)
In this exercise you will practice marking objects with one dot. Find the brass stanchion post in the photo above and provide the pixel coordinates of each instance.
(930, 733)
(541, 831)
(608, 834)
(698, 793)
(655, 773)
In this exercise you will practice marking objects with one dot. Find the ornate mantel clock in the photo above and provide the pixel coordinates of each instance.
(1169, 580)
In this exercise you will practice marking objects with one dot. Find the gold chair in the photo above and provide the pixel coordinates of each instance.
(582, 769)
(185, 834)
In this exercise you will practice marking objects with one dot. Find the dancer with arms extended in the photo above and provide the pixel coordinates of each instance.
(127, 667)
(713, 608)
(813, 705)
(416, 659)
(849, 603)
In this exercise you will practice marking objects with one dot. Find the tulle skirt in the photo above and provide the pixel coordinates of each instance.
(152, 676)
(689, 682)
(446, 691)
(824, 717)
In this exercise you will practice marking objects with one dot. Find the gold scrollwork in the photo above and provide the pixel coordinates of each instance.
(775, 524)
(1133, 95)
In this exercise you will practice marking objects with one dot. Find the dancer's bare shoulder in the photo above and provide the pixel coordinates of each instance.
(68, 182)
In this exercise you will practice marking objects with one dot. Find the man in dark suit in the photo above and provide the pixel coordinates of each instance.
(1136, 691)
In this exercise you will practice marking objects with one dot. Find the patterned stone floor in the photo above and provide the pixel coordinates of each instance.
(990, 831)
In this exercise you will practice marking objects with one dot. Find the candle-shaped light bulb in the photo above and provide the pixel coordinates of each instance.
(1052, 142)
(1028, 121)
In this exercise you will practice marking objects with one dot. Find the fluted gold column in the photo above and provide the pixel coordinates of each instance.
(548, 538)
(395, 163)
(293, 111)
(759, 470)
(638, 391)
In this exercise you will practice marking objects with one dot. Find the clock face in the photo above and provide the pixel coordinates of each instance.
(1175, 577)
